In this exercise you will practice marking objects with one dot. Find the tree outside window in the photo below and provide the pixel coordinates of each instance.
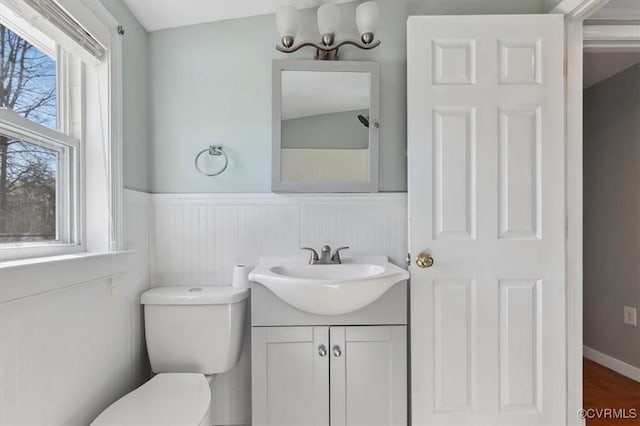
(28, 171)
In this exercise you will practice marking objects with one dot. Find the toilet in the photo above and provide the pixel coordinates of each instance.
(192, 334)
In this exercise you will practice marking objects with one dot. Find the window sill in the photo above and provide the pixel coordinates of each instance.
(29, 277)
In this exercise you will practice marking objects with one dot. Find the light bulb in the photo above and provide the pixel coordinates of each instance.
(367, 15)
(287, 21)
(328, 18)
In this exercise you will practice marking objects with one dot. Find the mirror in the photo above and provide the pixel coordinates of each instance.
(325, 126)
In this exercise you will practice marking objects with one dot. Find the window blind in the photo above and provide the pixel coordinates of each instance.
(57, 16)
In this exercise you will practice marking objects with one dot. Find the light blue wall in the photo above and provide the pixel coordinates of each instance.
(211, 83)
(136, 149)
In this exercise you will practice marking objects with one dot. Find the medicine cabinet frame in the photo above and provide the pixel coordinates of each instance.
(373, 68)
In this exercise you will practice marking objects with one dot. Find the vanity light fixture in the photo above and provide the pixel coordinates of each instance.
(288, 23)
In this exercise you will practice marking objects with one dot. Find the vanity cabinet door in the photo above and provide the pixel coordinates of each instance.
(368, 376)
(290, 376)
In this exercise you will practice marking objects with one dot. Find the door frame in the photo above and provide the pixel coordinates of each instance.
(576, 12)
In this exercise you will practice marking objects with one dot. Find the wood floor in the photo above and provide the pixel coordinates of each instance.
(604, 388)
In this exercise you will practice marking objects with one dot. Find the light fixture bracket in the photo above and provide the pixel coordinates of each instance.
(328, 52)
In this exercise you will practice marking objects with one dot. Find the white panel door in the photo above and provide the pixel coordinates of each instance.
(486, 201)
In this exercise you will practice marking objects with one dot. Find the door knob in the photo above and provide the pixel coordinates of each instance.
(322, 350)
(424, 260)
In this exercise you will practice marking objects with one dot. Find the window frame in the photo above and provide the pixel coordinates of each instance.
(67, 236)
(69, 215)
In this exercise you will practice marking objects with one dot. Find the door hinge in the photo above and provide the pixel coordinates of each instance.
(408, 259)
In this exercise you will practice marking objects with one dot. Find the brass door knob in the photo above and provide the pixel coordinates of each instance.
(424, 260)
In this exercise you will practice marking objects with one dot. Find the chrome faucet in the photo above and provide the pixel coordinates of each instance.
(325, 258)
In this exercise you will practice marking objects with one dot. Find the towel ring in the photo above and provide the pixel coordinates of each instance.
(212, 150)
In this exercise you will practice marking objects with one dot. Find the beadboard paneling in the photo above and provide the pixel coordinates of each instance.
(69, 353)
(197, 238)
(199, 244)
(368, 227)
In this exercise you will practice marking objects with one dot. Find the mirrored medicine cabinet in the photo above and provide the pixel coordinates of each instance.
(325, 126)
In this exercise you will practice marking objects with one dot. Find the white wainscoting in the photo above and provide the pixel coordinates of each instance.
(94, 341)
(67, 354)
(199, 237)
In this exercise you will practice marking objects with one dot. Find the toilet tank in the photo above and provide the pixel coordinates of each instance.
(194, 329)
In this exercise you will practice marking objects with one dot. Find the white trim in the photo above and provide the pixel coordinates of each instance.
(612, 363)
(20, 125)
(611, 47)
(611, 38)
(575, 12)
(36, 250)
(275, 198)
(25, 30)
(578, 9)
(574, 202)
(612, 32)
(116, 138)
(24, 278)
(43, 24)
(115, 160)
(114, 57)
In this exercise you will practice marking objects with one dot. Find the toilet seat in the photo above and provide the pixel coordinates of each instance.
(176, 399)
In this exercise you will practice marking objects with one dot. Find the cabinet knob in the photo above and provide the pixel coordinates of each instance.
(336, 351)
(322, 350)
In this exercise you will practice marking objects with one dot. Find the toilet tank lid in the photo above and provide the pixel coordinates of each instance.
(193, 295)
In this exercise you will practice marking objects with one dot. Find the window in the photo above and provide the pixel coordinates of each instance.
(38, 159)
(28, 79)
(60, 129)
(27, 191)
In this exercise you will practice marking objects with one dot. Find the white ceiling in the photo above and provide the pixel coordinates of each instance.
(600, 66)
(161, 14)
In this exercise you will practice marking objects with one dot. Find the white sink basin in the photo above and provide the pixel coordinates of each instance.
(328, 289)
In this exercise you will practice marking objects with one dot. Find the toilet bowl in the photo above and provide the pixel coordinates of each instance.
(167, 399)
(191, 334)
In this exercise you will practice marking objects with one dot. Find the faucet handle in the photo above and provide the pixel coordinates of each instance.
(336, 254)
(313, 254)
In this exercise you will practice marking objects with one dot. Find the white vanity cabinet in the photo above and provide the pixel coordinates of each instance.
(290, 376)
(345, 370)
(368, 375)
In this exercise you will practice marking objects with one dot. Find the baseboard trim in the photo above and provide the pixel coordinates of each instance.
(612, 363)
